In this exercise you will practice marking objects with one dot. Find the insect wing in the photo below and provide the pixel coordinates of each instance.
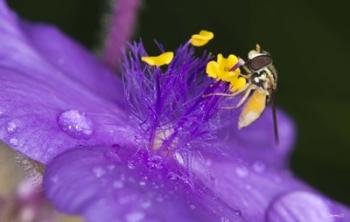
(253, 108)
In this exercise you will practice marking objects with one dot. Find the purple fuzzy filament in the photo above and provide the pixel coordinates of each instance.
(169, 102)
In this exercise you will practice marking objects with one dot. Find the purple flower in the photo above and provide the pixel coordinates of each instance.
(148, 148)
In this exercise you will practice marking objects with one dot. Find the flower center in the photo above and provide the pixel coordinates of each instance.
(168, 101)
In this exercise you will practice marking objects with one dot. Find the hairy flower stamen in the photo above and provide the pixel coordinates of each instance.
(168, 103)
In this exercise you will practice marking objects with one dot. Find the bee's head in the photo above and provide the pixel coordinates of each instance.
(258, 59)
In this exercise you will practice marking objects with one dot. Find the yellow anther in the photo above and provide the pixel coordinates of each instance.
(202, 38)
(222, 68)
(237, 84)
(163, 59)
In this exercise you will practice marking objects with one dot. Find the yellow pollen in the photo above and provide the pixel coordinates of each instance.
(163, 59)
(202, 38)
(221, 69)
(237, 84)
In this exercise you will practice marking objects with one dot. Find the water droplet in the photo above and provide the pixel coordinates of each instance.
(155, 162)
(14, 141)
(118, 184)
(224, 219)
(131, 165)
(192, 206)
(142, 183)
(99, 171)
(241, 171)
(259, 167)
(238, 213)
(146, 204)
(135, 216)
(11, 126)
(75, 124)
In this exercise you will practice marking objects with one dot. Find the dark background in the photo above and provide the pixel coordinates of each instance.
(309, 41)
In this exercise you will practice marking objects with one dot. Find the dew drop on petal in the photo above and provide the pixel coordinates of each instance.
(259, 167)
(13, 141)
(224, 219)
(76, 124)
(98, 171)
(155, 162)
(131, 165)
(11, 126)
(238, 213)
(135, 216)
(146, 204)
(241, 171)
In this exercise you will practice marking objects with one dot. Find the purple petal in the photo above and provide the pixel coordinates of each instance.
(96, 182)
(43, 120)
(305, 206)
(54, 95)
(260, 191)
(257, 142)
(41, 48)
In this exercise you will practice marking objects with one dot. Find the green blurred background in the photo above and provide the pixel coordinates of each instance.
(309, 41)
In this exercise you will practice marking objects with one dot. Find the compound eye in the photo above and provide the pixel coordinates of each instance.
(260, 62)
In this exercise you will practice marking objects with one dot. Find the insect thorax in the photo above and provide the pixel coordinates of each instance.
(265, 79)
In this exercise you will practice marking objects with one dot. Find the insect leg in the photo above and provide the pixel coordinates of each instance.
(222, 94)
(247, 71)
(242, 100)
(233, 94)
(245, 97)
(275, 122)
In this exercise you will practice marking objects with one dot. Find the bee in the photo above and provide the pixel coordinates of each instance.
(261, 76)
